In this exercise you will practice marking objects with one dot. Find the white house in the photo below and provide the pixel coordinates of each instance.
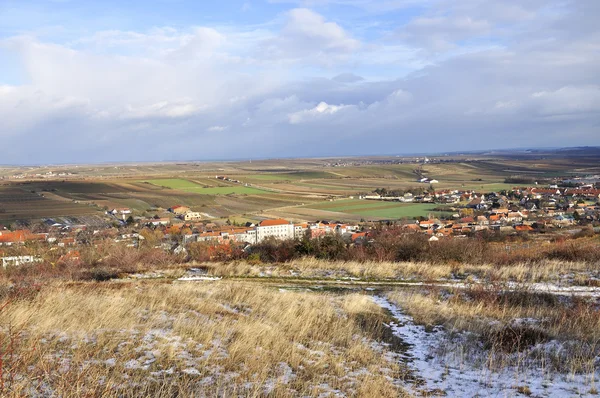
(19, 260)
(192, 216)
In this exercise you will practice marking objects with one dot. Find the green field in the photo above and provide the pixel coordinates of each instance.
(484, 187)
(188, 186)
(399, 211)
(301, 175)
(374, 208)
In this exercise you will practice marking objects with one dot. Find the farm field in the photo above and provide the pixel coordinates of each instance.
(378, 209)
(189, 186)
(20, 204)
(290, 188)
(300, 175)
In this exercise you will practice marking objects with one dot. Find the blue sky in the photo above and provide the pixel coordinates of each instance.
(89, 81)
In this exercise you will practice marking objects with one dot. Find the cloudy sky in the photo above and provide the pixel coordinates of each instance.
(112, 80)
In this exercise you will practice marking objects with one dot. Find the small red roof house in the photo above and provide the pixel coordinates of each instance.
(426, 224)
(179, 209)
(70, 241)
(19, 236)
(523, 228)
(358, 235)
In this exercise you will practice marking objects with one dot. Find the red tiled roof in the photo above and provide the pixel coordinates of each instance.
(19, 236)
(523, 228)
(358, 235)
(271, 223)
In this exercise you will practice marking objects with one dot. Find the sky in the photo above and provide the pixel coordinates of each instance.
(161, 80)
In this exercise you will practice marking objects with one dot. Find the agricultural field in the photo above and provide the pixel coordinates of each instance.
(296, 176)
(377, 209)
(189, 186)
(18, 203)
(292, 188)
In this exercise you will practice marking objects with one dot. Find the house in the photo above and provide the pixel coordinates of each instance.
(69, 241)
(179, 209)
(467, 220)
(19, 260)
(502, 211)
(9, 238)
(477, 203)
(192, 216)
(482, 220)
(358, 237)
(514, 216)
(523, 228)
(563, 221)
(157, 221)
(120, 211)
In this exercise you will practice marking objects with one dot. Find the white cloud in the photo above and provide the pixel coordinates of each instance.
(217, 128)
(308, 34)
(322, 109)
(270, 86)
(162, 109)
(569, 100)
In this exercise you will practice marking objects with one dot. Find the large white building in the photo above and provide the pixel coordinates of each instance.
(280, 229)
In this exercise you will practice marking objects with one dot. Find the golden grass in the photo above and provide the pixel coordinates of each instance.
(472, 310)
(510, 322)
(543, 271)
(192, 339)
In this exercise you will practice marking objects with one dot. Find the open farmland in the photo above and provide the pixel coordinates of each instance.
(19, 204)
(300, 175)
(290, 188)
(188, 186)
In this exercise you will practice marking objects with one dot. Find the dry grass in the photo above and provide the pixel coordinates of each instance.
(219, 339)
(543, 271)
(513, 322)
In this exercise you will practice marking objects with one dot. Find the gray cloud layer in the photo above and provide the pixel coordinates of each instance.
(485, 74)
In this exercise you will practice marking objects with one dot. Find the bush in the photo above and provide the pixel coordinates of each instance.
(100, 274)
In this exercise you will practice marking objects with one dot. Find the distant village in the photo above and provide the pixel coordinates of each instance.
(461, 213)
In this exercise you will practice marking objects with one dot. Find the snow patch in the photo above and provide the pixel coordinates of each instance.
(459, 378)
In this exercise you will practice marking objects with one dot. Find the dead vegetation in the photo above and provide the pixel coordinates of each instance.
(577, 273)
(519, 328)
(220, 339)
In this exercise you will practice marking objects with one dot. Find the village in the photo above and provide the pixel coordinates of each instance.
(463, 214)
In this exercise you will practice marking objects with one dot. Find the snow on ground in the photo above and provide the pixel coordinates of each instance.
(199, 278)
(458, 378)
(553, 288)
(197, 274)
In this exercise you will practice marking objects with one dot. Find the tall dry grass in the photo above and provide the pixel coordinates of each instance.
(309, 267)
(513, 325)
(220, 339)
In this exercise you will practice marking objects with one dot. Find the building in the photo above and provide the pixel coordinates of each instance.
(13, 261)
(192, 216)
(122, 211)
(179, 209)
(9, 238)
(157, 221)
(280, 229)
